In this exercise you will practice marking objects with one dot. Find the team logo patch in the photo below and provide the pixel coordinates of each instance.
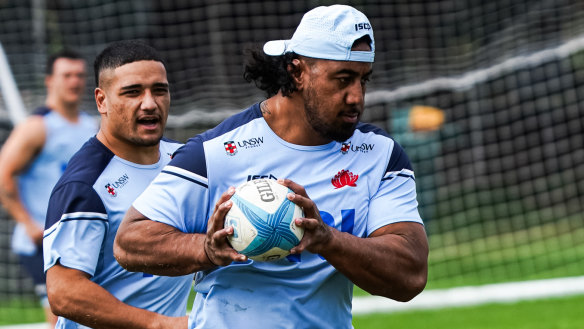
(111, 190)
(344, 178)
(230, 148)
(345, 147)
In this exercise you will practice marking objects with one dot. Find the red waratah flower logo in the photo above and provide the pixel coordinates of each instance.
(344, 178)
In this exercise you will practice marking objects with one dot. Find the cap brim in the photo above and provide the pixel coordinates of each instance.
(276, 47)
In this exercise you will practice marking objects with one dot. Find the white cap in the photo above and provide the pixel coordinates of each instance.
(328, 33)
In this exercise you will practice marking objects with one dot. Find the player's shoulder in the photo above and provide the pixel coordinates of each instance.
(192, 155)
(195, 144)
(41, 111)
(371, 135)
(37, 118)
(87, 164)
(31, 132)
(232, 123)
(367, 128)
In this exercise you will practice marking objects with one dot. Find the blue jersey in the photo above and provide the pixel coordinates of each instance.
(359, 186)
(63, 139)
(85, 211)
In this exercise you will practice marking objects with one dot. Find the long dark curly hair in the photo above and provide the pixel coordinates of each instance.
(269, 73)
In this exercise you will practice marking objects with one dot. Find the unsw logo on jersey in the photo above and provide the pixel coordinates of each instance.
(119, 183)
(363, 148)
(230, 147)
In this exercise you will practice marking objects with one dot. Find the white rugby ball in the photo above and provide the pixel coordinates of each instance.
(263, 220)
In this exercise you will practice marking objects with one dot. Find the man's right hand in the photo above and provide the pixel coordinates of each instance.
(217, 248)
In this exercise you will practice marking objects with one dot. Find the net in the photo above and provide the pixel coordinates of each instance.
(500, 169)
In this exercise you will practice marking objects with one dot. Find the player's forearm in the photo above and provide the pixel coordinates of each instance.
(390, 265)
(87, 303)
(143, 245)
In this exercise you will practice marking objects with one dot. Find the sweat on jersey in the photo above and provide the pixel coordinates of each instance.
(63, 138)
(85, 211)
(358, 186)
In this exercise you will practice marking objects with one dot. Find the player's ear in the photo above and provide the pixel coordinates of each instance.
(297, 70)
(100, 100)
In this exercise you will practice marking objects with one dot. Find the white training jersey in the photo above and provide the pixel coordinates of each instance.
(85, 211)
(358, 186)
(63, 138)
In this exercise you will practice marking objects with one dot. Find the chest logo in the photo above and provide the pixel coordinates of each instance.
(344, 178)
(111, 190)
(363, 148)
(345, 147)
(230, 148)
(117, 184)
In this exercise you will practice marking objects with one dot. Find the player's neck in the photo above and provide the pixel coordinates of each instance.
(142, 155)
(69, 111)
(287, 118)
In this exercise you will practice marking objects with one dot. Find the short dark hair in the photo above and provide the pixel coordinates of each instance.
(269, 73)
(64, 53)
(123, 52)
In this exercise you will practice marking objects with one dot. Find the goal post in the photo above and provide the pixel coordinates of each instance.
(14, 105)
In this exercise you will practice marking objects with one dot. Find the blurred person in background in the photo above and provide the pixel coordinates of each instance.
(35, 155)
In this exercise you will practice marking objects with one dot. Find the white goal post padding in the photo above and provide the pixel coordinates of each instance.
(13, 101)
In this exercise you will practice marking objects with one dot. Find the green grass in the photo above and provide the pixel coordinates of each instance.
(558, 313)
(21, 311)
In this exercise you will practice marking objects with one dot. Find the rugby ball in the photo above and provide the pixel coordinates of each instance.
(263, 220)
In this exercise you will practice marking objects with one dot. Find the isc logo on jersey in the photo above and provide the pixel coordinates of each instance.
(263, 220)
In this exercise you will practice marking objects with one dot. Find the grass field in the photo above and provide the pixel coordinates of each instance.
(558, 313)
(16, 312)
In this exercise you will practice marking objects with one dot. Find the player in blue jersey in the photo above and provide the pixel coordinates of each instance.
(35, 156)
(354, 182)
(86, 286)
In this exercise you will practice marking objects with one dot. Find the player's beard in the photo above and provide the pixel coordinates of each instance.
(145, 141)
(328, 130)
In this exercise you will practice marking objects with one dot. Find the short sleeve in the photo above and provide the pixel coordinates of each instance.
(179, 195)
(395, 200)
(76, 227)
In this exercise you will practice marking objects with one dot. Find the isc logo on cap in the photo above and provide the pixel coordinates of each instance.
(362, 26)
